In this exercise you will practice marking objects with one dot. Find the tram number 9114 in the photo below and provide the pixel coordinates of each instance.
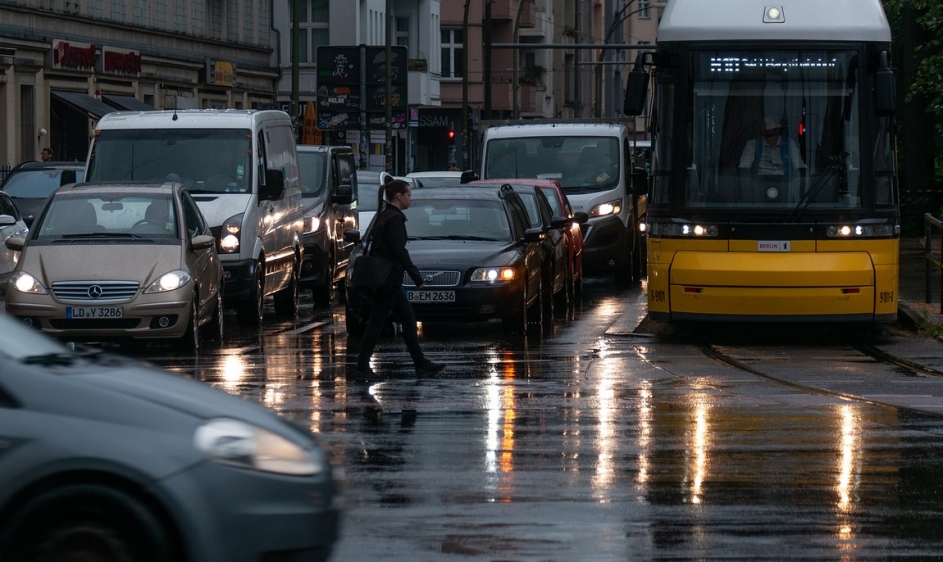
(887, 297)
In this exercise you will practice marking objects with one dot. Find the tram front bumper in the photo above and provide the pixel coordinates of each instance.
(754, 286)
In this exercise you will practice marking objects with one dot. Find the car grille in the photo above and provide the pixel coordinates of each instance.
(95, 291)
(435, 279)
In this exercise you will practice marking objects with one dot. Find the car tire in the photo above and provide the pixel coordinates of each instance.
(565, 297)
(547, 298)
(325, 293)
(516, 322)
(250, 310)
(354, 319)
(286, 300)
(191, 338)
(86, 522)
(215, 328)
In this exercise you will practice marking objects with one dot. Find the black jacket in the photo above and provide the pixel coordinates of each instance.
(388, 241)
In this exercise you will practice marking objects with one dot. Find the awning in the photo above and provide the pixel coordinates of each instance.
(84, 103)
(126, 103)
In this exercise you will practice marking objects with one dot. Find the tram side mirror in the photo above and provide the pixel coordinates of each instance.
(885, 90)
(636, 87)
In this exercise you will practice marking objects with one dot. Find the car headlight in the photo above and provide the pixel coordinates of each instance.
(229, 234)
(240, 444)
(606, 209)
(493, 274)
(312, 223)
(26, 283)
(169, 281)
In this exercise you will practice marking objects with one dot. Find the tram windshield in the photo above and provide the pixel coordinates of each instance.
(771, 130)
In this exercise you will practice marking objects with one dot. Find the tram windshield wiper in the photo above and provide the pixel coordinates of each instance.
(835, 164)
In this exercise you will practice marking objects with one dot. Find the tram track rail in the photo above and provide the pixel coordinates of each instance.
(713, 352)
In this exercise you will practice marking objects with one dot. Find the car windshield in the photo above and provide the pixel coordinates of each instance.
(312, 167)
(40, 184)
(580, 164)
(204, 160)
(470, 219)
(117, 215)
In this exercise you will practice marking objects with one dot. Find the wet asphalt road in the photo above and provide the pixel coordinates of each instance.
(595, 442)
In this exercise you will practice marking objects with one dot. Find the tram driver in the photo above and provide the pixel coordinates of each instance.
(772, 162)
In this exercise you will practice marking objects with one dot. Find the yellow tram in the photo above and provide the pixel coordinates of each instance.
(773, 193)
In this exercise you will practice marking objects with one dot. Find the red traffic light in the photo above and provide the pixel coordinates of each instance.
(451, 134)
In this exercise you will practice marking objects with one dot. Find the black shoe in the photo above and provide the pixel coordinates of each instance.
(362, 374)
(428, 368)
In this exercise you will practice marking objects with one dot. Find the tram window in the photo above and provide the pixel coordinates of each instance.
(794, 110)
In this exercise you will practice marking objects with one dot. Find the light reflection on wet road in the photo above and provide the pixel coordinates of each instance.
(589, 443)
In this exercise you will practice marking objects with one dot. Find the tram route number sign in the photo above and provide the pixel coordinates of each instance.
(772, 246)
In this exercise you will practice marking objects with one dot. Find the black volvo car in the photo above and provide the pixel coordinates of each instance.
(479, 258)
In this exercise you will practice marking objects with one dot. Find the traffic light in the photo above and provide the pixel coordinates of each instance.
(451, 136)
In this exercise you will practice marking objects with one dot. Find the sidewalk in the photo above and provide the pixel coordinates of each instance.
(913, 310)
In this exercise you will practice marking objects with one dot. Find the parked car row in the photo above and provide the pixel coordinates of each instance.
(486, 252)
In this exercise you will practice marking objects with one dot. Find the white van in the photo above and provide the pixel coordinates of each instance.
(595, 163)
(241, 168)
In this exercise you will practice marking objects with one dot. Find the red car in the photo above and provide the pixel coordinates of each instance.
(561, 207)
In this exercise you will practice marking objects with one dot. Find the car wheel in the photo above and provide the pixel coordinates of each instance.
(547, 298)
(565, 297)
(89, 523)
(354, 322)
(250, 311)
(325, 293)
(286, 300)
(624, 267)
(191, 338)
(516, 321)
(214, 330)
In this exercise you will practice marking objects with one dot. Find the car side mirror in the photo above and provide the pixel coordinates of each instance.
(16, 243)
(638, 180)
(885, 90)
(580, 217)
(534, 235)
(558, 222)
(636, 88)
(468, 176)
(352, 236)
(344, 194)
(7, 220)
(202, 242)
(274, 185)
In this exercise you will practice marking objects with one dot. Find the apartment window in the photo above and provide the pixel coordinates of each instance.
(402, 32)
(232, 20)
(453, 53)
(644, 9)
(315, 16)
(117, 10)
(180, 17)
(140, 13)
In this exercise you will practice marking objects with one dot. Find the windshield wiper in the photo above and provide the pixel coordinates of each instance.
(104, 235)
(834, 165)
(456, 237)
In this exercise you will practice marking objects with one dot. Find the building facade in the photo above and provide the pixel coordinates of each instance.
(65, 64)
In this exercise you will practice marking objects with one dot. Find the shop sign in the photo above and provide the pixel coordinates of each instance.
(222, 73)
(66, 54)
(121, 62)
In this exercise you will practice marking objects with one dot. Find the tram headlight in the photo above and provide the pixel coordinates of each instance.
(877, 230)
(681, 229)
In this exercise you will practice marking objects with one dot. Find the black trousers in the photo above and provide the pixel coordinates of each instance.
(385, 303)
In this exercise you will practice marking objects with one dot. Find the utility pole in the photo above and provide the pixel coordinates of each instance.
(577, 38)
(487, 70)
(466, 138)
(297, 7)
(389, 87)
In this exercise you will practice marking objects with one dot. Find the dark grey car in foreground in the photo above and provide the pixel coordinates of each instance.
(104, 459)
